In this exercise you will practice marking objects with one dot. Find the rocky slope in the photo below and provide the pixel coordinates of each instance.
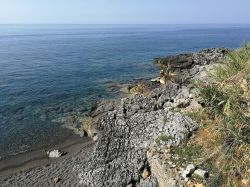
(127, 129)
(134, 135)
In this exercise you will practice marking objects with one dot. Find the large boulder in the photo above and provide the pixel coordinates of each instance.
(124, 135)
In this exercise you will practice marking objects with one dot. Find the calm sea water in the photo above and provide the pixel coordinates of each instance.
(50, 71)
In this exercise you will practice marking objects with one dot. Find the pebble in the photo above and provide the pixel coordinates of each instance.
(56, 179)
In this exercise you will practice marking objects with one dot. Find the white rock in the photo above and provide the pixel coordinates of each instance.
(54, 154)
(173, 166)
(168, 146)
(184, 174)
(163, 80)
(188, 171)
(191, 95)
(201, 173)
(129, 185)
(190, 168)
(157, 79)
(170, 163)
(95, 138)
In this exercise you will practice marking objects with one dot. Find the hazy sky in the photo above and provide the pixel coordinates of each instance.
(125, 11)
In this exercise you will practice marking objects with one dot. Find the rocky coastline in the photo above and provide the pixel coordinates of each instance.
(133, 135)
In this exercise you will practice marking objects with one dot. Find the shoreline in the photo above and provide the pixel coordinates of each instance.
(121, 128)
(73, 144)
(28, 160)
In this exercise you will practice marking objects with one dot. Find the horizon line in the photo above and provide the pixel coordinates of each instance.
(124, 23)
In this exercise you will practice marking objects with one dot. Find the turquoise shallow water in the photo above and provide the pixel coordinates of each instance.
(49, 71)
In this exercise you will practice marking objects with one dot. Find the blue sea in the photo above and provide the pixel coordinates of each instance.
(50, 71)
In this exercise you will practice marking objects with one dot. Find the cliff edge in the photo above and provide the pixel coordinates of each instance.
(130, 130)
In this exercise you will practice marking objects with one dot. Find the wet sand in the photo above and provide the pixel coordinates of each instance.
(36, 169)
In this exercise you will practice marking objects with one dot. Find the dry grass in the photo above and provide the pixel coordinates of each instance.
(225, 121)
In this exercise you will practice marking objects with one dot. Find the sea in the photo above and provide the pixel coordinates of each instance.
(49, 72)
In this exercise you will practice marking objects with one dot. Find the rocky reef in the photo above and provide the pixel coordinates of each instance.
(130, 130)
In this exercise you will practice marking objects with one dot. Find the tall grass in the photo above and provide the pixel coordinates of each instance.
(227, 104)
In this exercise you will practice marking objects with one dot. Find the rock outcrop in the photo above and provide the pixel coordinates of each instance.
(187, 61)
(186, 66)
(127, 128)
(124, 135)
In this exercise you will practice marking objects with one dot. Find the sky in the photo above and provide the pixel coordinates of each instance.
(124, 11)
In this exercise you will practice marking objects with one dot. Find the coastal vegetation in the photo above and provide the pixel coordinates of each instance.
(224, 134)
